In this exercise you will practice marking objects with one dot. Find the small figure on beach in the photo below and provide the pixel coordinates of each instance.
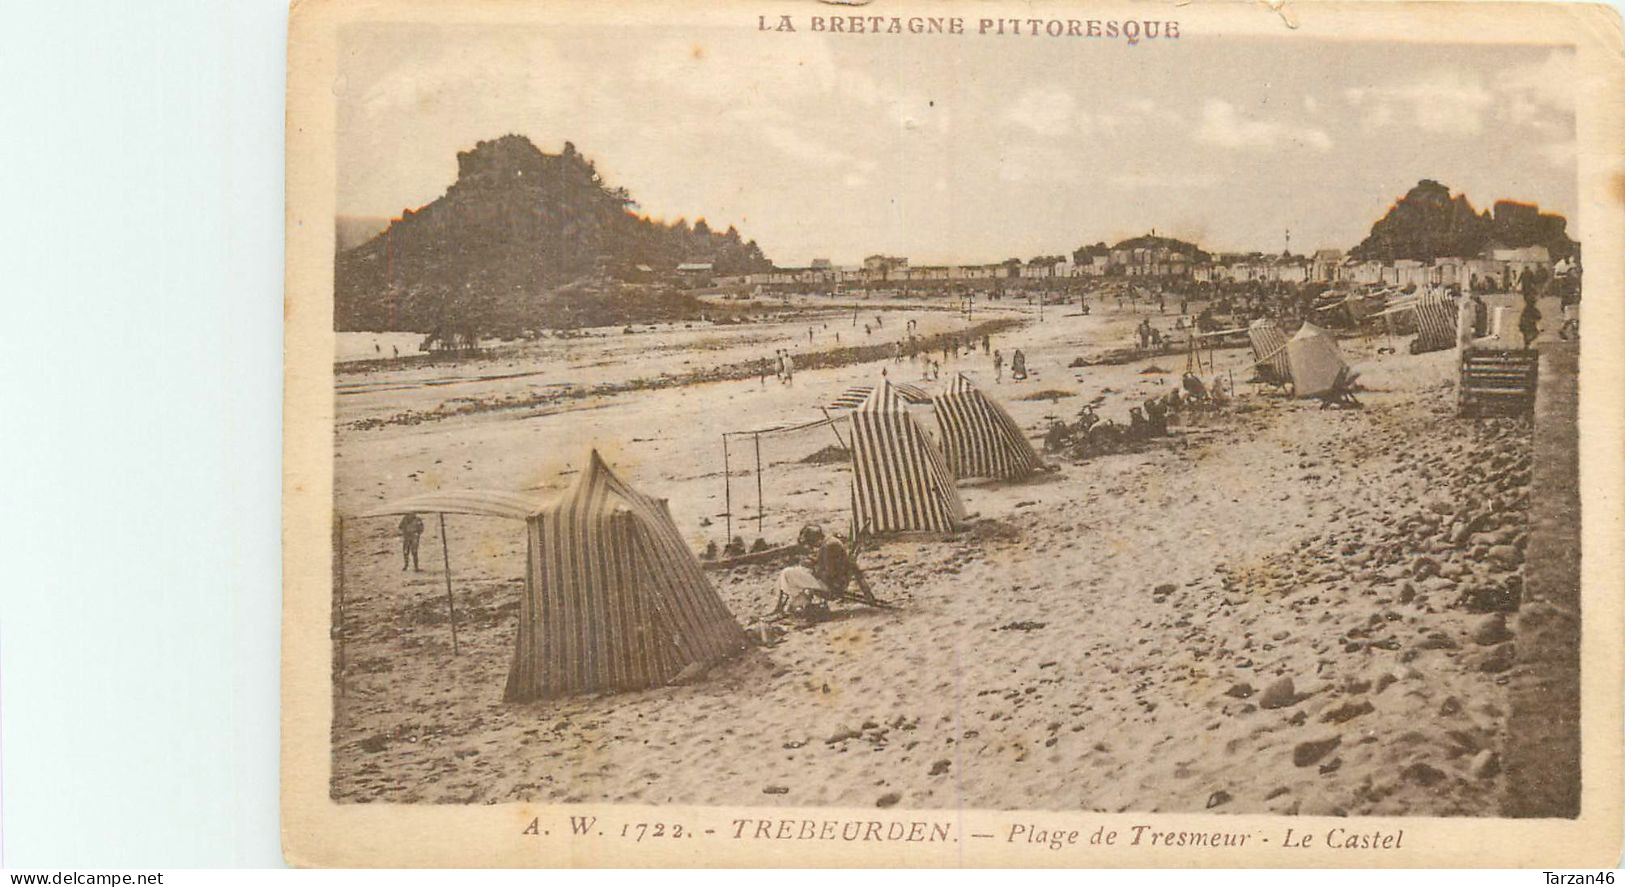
(1138, 427)
(1018, 365)
(1529, 320)
(987, 344)
(411, 529)
(789, 365)
(998, 366)
(1194, 389)
(1156, 414)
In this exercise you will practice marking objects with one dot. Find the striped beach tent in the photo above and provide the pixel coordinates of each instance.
(1269, 352)
(1435, 323)
(857, 394)
(614, 598)
(900, 480)
(980, 439)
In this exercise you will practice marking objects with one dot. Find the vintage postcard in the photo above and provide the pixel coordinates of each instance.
(953, 434)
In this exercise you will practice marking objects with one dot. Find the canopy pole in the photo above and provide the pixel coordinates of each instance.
(338, 631)
(758, 438)
(832, 428)
(451, 605)
(727, 493)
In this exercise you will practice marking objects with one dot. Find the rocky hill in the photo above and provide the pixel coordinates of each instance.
(1428, 223)
(518, 242)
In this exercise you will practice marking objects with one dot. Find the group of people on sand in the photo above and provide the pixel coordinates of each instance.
(1472, 317)
(1149, 336)
(1018, 365)
(782, 365)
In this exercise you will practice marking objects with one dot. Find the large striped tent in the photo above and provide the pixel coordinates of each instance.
(900, 480)
(614, 599)
(980, 439)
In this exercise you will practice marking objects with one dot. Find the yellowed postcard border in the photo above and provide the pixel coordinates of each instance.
(319, 832)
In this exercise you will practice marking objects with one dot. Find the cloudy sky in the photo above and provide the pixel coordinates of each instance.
(966, 149)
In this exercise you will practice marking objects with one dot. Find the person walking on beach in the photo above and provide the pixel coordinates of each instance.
(987, 344)
(998, 366)
(1529, 320)
(1018, 366)
(1481, 315)
(411, 529)
(789, 369)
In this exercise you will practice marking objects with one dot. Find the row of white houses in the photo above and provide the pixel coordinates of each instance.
(1501, 265)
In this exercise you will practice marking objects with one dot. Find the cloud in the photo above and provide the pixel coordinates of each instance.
(1446, 101)
(1549, 82)
(1224, 126)
(1045, 111)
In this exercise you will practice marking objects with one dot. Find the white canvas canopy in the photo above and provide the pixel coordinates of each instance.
(1315, 359)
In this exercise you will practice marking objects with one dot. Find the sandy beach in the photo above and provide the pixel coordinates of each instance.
(1277, 608)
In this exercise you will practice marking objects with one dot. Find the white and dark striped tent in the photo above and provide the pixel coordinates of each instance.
(1435, 323)
(614, 599)
(1269, 352)
(979, 438)
(900, 480)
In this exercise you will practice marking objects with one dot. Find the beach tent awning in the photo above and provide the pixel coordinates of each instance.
(781, 429)
(485, 503)
(852, 397)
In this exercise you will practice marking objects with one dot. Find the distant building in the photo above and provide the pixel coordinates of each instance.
(879, 267)
(1152, 256)
(1324, 264)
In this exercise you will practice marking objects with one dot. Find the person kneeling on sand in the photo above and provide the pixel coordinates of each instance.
(827, 573)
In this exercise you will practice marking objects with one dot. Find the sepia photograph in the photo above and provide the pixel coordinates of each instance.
(895, 412)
